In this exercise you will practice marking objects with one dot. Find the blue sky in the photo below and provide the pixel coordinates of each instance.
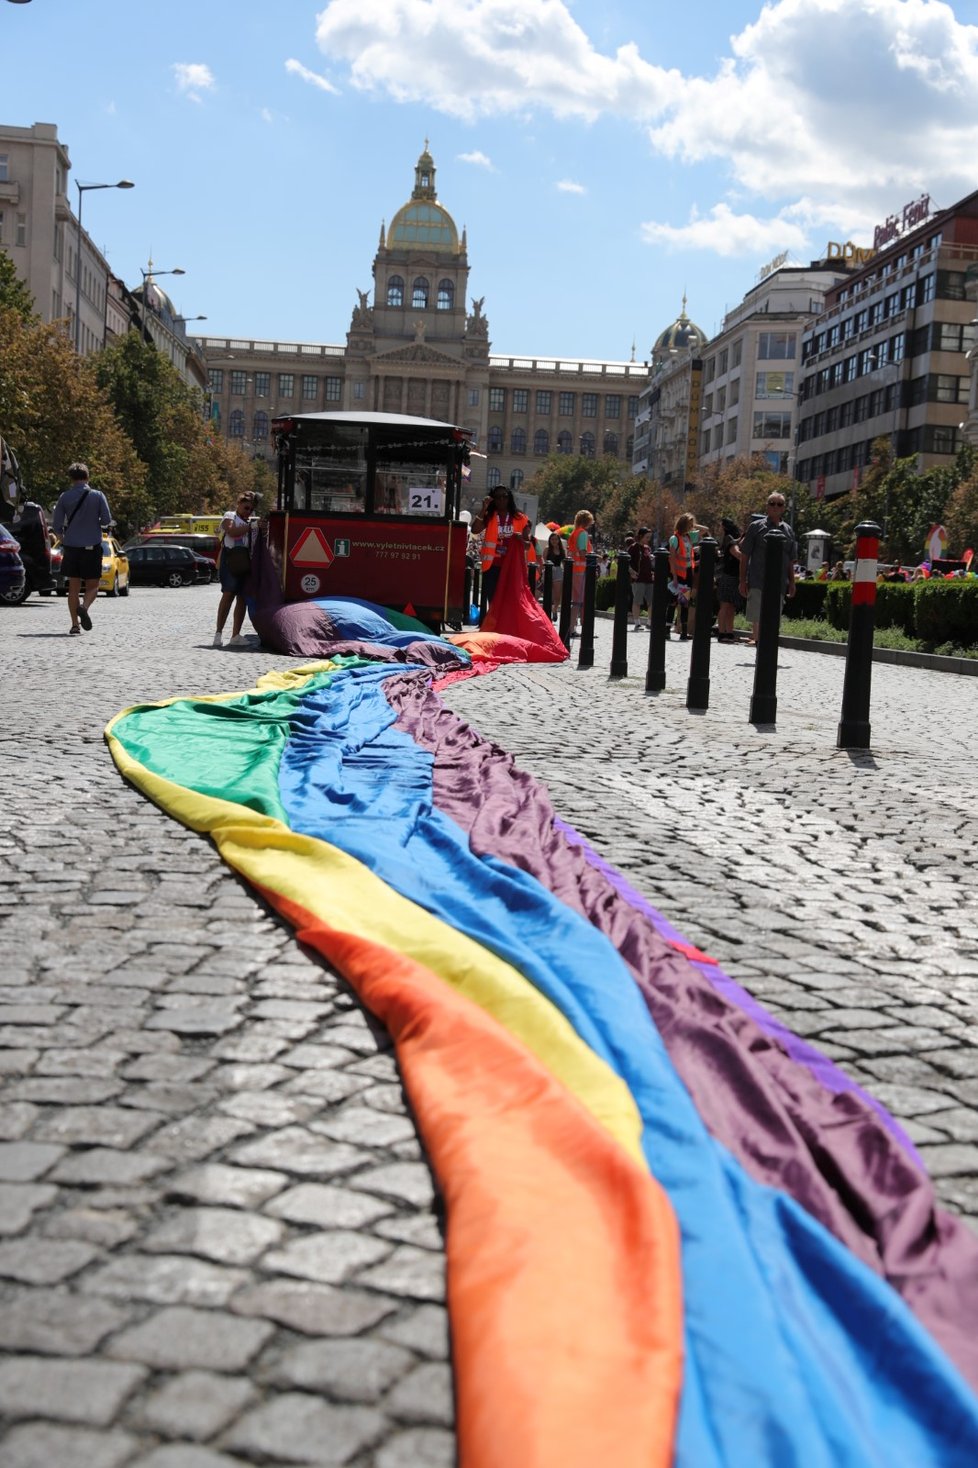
(604, 157)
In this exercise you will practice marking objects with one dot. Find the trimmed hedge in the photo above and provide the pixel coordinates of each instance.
(946, 611)
(604, 594)
(808, 602)
(931, 611)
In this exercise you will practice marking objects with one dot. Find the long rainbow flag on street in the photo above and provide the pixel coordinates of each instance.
(676, 1234)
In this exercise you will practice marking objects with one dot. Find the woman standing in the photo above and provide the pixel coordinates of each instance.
(580, 548)
(684, 538)
(234, 534)
(498, 522)
(555, 557)
(728, 577)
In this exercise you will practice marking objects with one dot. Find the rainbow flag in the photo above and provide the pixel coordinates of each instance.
(676, 1234)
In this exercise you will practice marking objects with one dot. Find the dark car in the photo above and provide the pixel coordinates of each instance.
(29, 528)
(161, 565)
(13, 577)
(206, 569)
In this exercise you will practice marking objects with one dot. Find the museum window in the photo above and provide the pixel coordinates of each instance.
(286, 384)
(473, 397)
(565, 442)
(309, 387)
(334, 389)
(238, 383)
(395, 291)
(516, 479)
(259, 428)
(359, 391)
(521, 399)
(541, 443)
(612, 406)
(493, 478)
(446, 295)
(589, 405)
(517, 443)
(633, 408)
(497, 399)
(543, 401)
(587, 445)
(419, 294)
(263, 384)
(215, 379)
(565, 404)
(495, 439)
(236, 424)
(610, 443)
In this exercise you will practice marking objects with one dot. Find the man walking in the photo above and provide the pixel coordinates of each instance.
(81, 517)
(752, 560)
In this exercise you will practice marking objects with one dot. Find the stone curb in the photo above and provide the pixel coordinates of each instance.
(966, 667)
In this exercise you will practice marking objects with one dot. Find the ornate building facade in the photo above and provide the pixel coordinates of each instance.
(418, 348)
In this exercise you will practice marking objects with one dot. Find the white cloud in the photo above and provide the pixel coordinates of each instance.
(725, 233)
(568, 186)
(841, 109)
(478, 160)
(472, 58)
(312, 77)
(267, 115)
(192, 78)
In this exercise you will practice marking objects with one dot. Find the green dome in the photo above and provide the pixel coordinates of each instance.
(423, 224)
(682, 336)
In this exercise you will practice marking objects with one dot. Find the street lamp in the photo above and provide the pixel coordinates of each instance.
(124, 183)
(147, 282)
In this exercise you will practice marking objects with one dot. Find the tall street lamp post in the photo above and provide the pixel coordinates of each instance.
(147, 283)
(83, 189)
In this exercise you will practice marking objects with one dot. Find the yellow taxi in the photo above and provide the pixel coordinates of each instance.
(115, 568)
(114, 580)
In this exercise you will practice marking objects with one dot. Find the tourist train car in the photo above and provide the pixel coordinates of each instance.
(368, 506)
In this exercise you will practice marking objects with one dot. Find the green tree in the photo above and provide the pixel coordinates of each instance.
(14, 293)
(53, 412)
(567, 483)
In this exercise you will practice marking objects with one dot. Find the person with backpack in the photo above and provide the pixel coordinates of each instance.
(81, 518)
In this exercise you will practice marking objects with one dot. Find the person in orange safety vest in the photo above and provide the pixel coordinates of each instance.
(501, 521)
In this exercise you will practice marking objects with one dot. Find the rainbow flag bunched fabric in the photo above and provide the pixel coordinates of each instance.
(676, 1234)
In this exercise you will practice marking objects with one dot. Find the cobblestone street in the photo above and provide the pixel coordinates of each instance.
(219, 1240)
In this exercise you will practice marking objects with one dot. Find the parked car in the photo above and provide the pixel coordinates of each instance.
(161, 565)
(206, 569)
(29, 527)
(13, 577)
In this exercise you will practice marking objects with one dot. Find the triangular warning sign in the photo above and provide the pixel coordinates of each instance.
(409, 610)
(312, 549)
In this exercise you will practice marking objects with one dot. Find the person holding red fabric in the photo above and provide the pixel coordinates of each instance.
(498, 521)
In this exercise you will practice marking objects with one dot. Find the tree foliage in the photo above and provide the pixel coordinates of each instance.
(14, 292)
(53, 412)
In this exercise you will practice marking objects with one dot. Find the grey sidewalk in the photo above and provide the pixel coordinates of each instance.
(220, 1241)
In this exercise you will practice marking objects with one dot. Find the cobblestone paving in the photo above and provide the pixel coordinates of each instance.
(219, 1242)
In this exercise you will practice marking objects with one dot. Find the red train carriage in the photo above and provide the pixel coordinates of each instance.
(368, 506)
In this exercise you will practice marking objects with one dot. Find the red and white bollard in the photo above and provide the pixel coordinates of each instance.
(854, 723)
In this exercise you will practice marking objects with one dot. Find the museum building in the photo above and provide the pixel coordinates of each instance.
(418, 348)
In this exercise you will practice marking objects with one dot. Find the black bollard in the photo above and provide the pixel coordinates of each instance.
(764, 700)
(854, 723)
(467, 594)
(623, 603)
(585, 651)
(566, 605)
(655, 675)
(531, 576)
(483, 601)
(698, 683)
(548, 588)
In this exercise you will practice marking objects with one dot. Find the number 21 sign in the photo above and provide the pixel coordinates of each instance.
(426, 499)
